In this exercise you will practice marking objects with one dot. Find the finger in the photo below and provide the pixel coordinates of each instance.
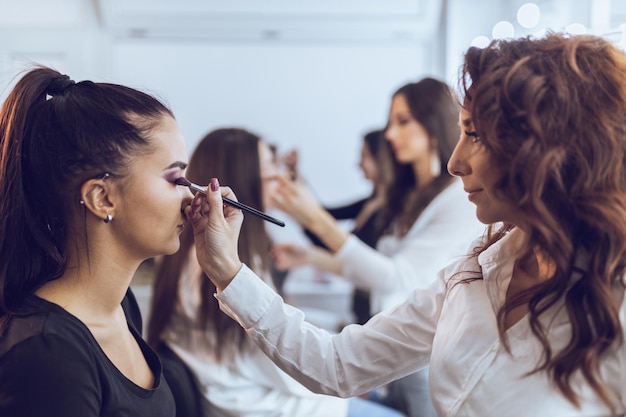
(283, 181)
(196, 204)
(194, 212)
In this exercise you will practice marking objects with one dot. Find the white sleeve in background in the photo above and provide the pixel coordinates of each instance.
(354, 361)
(440, 235)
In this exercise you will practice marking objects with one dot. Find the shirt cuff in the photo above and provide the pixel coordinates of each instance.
(247, 298)
(348, 247)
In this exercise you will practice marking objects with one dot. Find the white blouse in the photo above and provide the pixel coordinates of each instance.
(451, 327)
(400, 264)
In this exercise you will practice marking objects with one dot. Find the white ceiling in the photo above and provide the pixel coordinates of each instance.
(410, 20)
(284, 19)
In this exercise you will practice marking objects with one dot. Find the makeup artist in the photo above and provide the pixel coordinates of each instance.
(531, 322)
(424, 224)
(87, 193)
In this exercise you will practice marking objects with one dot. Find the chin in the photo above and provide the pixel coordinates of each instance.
(486, 218)
(402, 159)
(173, 248)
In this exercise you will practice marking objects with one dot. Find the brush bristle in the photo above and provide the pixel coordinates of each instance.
(182, 181)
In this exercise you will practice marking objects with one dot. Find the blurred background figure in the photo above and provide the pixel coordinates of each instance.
(425, 223)
(234, 376)
(376, 163)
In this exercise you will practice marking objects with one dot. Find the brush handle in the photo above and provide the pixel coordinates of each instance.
(196, 188)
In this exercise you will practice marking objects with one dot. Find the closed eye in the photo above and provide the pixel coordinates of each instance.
(473, 135)
(174, 172)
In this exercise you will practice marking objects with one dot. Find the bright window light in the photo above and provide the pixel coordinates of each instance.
(528, 15)
(576, 29)
(480, 41)
(503, 29)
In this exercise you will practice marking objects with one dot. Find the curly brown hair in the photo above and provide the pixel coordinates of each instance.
(552, 113)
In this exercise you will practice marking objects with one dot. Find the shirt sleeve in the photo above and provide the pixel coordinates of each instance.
(391, 345)
(46, 376)
(440, 235)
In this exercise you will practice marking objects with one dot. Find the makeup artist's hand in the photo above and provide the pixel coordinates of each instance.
(295, 199)
(216, 229)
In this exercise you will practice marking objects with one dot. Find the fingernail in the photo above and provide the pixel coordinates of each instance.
(215, 184)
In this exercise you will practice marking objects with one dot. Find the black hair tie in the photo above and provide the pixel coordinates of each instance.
(59, 85)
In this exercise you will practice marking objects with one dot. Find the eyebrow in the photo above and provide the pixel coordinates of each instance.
(467, 122)
(177, 164)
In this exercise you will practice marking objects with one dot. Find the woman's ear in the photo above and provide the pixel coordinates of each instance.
(95, 195)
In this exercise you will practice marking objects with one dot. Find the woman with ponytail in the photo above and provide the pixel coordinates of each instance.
(87, 193)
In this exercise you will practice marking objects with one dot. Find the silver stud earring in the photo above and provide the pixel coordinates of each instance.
(108, 218)
(82, 203)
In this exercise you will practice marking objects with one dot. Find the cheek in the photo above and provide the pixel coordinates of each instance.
(269, 187)
(164, 204)
(420, 142)
(490, 174)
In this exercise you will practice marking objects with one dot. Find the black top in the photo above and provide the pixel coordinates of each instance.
(367, 233)
(52, 366)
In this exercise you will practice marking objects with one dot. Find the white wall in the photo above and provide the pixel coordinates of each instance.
(316, 97)
(317, 90)
(315, 79)
(63, 34)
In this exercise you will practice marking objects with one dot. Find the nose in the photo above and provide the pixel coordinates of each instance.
(388, 134)
(457, 166)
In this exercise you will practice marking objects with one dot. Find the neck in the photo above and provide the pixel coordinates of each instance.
(537, 264)
(380, 190)
(424, 173)
(91, 288)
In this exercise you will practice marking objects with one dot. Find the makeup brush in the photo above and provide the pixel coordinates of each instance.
(196, 188)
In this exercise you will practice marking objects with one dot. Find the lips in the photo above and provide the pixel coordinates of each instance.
(471, 193)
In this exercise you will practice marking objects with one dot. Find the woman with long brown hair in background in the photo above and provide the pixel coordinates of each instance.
(423, 224)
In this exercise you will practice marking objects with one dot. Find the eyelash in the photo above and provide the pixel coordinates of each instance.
(473, 135)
